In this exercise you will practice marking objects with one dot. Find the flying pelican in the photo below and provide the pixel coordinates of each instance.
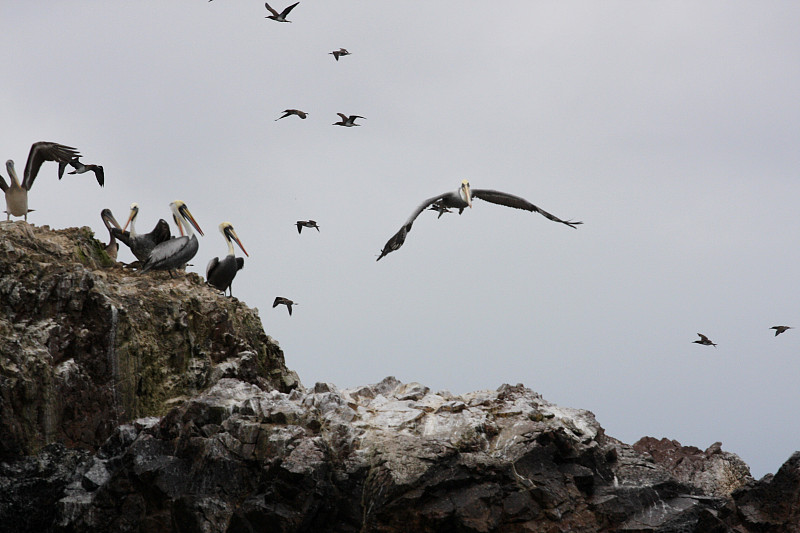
(17, 193)
(280, 17)
(220, 274)
(339, 53)
(175, 252)
(780, 329)
(461, 199)
(289, 112)
(80, 168)
(705, 341)
(285, 301)
(348, 122)
(307, 224)
(110, 223)
(142, 244)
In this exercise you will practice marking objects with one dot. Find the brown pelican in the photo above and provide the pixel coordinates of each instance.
(285, 301)
(289, 112)
(306, 223)
(704, 341)
(280, 17)
(347, 122)
(111, 224)
(142, 244)
(339, 53)
(80, 168)
(220, 274)
(461, 199)
(780, 329)
(173, 253)
(17, 193)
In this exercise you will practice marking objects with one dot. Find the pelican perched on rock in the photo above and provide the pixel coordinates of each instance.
(220, 273)
(285, 301)
(780, 329)
(141, 244)
(306, 224)
(17, 192)
(111, 224)
(173, 253)
(705, 341)
(279, 17)
(461, 199)
(339, 53)
(290, 112)
(348, 122)
(80, 168)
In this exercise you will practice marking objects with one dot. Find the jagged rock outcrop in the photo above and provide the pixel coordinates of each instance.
(146, 403)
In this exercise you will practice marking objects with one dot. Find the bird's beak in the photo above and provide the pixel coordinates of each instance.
(130, 217)
(235, 237)
(467, 193)
(188, 216)
(106, 215)
(178, 223)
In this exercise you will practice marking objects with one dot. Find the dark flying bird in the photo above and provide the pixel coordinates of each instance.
(285, 301)
(80, 168)
(780, 329)
(280, 17)
(705, 341)
(141, 244)
(306, 223)
(348, 122)
(173, 253)
(289, 112)
(16, 192)
(339, 53)
(461, 199)
(220, 273)
(110, 223)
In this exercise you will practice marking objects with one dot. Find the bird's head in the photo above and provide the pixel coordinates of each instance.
(12, 173)
(226, 228)
(132, 216)
(465, 193)
(180, 209)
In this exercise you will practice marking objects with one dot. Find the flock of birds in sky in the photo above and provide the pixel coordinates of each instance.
(159, 250)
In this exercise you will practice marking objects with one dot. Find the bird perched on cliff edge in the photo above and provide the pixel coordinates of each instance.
(141, 244)
(173, 253)
(220, 272)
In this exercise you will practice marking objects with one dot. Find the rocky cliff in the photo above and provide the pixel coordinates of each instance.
(145, 403)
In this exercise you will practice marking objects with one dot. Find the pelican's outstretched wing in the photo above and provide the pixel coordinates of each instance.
(45, 151)
(3, 185)
(509, 200)
(397, 240)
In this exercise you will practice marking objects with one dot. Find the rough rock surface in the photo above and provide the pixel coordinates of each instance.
(151, 404)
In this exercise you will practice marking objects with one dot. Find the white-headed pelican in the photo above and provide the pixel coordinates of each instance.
(461, 199)
(220, 273)
(175, 252)
(141, 244)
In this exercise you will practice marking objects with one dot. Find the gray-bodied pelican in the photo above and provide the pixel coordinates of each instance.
(290, 112)
(173, 253)
(220, 273)
(339, 53)
(780, 329)
(80, 168)
(16, 192)
(142, 244)
(111, 224)
(285, 301)
(306, 224)
(279, 17)
(461, 199)
(705, 341)
(348, 122)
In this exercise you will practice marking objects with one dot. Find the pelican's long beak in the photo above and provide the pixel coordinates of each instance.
(178, 223)
(186, 214)
(134, 212)
(466, 192)
(232, 234)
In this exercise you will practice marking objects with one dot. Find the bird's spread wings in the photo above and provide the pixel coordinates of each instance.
(288, 9)
(397, 240)
(212, 265)
(161, 232)
(45, 151)
(270, 9)
(509, 200)
(3, 185)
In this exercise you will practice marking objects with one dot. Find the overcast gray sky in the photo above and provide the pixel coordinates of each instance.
(670, 128)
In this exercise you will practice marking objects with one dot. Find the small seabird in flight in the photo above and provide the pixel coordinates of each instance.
(80, 168)
(339, 53)
(285, 301)
(174, 253)
(347, 122)
(220, 272)
(289, 112)
(306, 223)
(111, 224)
(17, 192)
(280, 17)
(705, 341)
(461, 199)
(780, 329)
